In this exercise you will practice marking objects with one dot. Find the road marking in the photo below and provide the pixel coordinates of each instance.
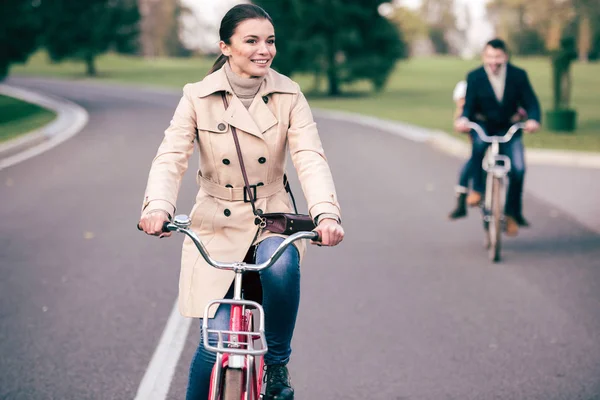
(71, 119)
(157, 379)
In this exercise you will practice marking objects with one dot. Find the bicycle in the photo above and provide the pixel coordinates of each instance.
(235, 375)
(497, 166)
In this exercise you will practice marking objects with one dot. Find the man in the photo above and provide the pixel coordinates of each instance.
(495, 91)
(462, 189)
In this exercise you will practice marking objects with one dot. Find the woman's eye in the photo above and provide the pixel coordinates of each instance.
(271, 41)
(251, 41)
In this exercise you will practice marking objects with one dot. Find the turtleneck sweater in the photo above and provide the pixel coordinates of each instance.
(244, 88)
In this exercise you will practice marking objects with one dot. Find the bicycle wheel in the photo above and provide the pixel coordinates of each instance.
(495, 225)
(232, 385)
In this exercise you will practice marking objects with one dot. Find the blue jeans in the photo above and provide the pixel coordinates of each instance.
(280, 301)
(464, 177)
(515, 151)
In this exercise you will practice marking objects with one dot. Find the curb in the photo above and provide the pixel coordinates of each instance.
(70, 120)
(444, 142)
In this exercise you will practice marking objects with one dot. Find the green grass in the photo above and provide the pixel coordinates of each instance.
(418, 92)
(18, 117)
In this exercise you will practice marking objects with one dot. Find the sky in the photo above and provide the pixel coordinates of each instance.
(208, 14)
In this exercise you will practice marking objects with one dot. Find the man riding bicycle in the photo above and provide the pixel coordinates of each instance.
(495, 91)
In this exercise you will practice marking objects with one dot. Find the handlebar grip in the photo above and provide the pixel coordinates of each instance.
(164, 227)
(316, 236)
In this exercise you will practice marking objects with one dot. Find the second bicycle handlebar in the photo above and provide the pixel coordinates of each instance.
(499, 139)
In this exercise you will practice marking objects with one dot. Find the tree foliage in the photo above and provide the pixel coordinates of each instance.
(20, 26)
(82, 30)
(345, 41)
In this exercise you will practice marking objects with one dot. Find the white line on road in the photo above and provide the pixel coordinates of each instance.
(157, 380)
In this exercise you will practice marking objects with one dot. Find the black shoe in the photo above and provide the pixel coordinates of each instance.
(461, 207)
(279, 385)
(521, 221)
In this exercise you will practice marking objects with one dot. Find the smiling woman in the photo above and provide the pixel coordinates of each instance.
(244, 117)
(18, 117)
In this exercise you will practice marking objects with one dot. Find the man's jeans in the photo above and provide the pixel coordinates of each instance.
(281, 298)
(515, 151)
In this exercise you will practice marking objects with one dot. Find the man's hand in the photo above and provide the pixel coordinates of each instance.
(461, 125)
(531, 125)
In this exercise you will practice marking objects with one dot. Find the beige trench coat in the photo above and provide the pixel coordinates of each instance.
(279, 118)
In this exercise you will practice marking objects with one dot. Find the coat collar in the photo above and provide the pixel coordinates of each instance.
(274, 83)
(258, 118)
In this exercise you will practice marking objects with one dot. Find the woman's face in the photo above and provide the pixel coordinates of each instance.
(252, 48)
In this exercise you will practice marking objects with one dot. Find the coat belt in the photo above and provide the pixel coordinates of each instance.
(237, 194)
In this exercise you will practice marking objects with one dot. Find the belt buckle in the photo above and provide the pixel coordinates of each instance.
(246, 200)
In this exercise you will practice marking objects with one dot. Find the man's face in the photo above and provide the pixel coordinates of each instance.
(493, 58)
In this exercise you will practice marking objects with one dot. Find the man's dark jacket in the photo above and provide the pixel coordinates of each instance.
(482, 106)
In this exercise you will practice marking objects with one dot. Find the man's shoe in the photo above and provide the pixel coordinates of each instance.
(474, 199)
(521, 221)
(461, 207)
(279, 385)
(512, 227)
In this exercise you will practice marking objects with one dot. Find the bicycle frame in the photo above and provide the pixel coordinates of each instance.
(235, 347)
(497, 166)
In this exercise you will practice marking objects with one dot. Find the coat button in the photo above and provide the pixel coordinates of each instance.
(262, 160)
(221, 127)
(228, 186)
(226, 161)
(227, 212)
(265, 99)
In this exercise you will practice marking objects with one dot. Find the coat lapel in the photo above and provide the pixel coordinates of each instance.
(488, 85)
(263, 116)
(258, 118)
(237, 115)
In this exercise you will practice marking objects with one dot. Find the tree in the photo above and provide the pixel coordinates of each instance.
(82, 30)
(547, 17)
(345, 41)
(160, 28)
(440, 17)
(20, 26)
(410, 23)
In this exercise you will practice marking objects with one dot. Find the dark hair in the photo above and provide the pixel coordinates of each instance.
(230, 22)
(497, 44)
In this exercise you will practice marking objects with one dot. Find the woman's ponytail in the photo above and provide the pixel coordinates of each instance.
(218, 64)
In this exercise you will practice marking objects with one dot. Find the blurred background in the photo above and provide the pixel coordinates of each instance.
(397, 60)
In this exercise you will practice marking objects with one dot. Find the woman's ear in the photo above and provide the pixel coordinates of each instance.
(224, 48)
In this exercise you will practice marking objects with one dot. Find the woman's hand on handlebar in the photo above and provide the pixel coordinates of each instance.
(152, 223)
(531, 125)
(330, 232)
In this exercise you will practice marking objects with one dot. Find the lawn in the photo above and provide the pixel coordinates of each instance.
(18, 117)
(419, 91)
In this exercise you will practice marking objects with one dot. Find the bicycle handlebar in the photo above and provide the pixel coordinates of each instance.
(499, 139)
(181, 223)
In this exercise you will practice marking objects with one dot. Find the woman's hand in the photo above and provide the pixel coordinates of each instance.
(153, 221)
(330, 232)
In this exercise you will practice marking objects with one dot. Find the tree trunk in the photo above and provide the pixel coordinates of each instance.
(90, 65)
(332, 73)
(565, 90)
(4, 67)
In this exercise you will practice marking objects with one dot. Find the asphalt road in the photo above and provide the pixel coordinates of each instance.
(408, 307)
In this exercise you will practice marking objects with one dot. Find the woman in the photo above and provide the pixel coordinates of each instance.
(270, 113)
